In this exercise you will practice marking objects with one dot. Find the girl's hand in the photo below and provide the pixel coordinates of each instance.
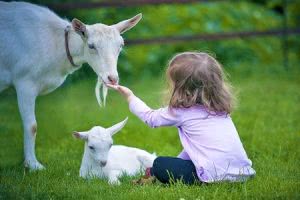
(124, 91)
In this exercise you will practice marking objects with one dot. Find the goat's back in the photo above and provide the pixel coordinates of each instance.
(28, 17)
(28, 33)
(128, 159)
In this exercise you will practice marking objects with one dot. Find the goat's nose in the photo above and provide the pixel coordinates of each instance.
(113, 79)
(103, 163)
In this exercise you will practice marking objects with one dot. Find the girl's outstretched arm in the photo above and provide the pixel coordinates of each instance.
(154, 118)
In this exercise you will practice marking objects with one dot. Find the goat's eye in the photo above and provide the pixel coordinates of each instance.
(92, 148)
(91, 46)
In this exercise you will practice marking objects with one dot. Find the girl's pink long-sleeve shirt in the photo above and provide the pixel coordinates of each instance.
(210, 141)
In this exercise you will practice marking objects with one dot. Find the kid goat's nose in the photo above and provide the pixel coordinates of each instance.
(113, 79)
(103, 163)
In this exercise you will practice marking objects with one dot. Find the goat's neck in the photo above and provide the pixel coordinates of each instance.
(76, 47)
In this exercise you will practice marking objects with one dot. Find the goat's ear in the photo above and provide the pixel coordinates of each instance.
(115, 128)
(80, 135)
(79, 27)
(125, 25)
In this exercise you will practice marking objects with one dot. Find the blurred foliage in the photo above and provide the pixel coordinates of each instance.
(197, 18)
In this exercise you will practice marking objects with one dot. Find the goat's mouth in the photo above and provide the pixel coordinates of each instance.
(101, 80)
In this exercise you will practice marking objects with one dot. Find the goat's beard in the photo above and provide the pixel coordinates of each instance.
(101, 99)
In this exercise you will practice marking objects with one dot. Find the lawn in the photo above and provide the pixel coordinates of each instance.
(267, 119)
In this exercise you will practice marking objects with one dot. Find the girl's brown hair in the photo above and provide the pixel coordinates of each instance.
(197, 78)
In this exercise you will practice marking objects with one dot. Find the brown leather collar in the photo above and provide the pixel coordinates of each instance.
(67, 30)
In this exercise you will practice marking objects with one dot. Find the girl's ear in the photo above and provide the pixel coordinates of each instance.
(81, 135)
(115, 128)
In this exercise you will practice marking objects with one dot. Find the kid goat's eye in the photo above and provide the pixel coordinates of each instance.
(92, 46)
(91, 148)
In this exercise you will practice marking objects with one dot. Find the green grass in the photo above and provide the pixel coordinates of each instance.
(267, 119)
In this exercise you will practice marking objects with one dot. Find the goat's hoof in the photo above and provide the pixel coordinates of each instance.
(34, 165)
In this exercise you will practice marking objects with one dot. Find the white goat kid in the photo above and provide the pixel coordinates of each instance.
(38, 50)
(104, 160)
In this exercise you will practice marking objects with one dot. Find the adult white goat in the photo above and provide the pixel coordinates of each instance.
(38, 50)
(104, 160)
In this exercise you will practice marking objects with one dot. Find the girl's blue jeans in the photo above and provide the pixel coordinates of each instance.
(172, 169)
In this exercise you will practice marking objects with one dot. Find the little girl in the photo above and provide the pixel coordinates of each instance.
(199, 107)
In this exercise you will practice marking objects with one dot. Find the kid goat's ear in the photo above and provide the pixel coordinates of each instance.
(115, 128)
(80, 135)
(125, 25)
(79, 27)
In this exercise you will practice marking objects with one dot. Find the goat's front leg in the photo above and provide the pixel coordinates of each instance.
(113, 177)
(26, 101)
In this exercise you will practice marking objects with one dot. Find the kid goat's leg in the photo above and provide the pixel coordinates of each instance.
(26, 101)
(113, 177)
